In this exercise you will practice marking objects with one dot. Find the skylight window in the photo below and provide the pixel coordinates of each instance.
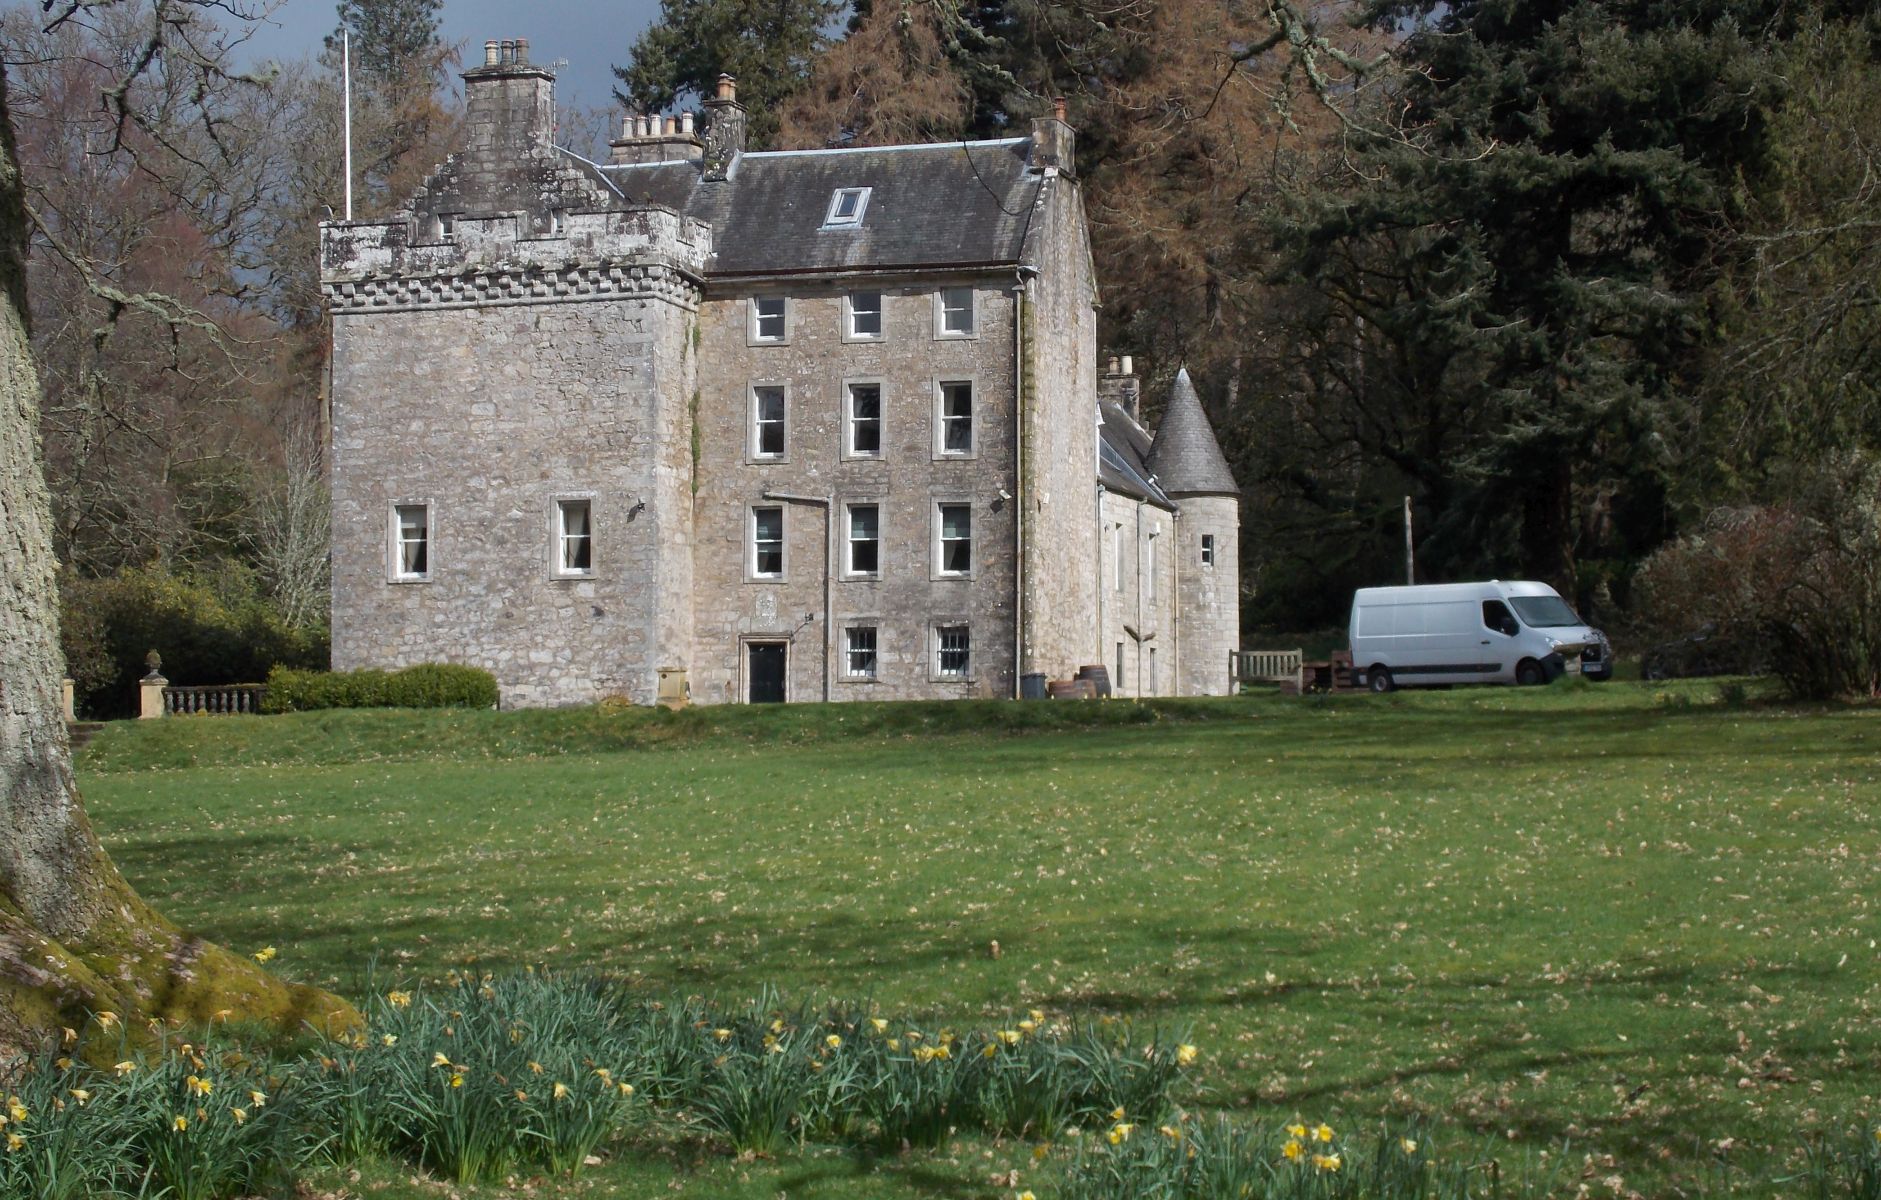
(846, 208)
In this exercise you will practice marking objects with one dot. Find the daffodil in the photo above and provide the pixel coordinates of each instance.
(388, 1039)
(107, 1019)
(240, 1115)
(16, 1110)
(257, 1098)
(1025, 1196)
(179, 1123)
(398, 999)
(15, 1141)
(71, 1035)
(1296, 1131)
(1323, 1133)
(265, 954)
(1292, 1151)
(1120, 1133)
(879, 1024)
(1185, 1055)
(722, 1034)
(440, 1059)
(605, 1075)
(201, 1087)
(1170, 1132)
(1326, 1162)
(1009, 1036)
(124, 1068)
(1116, 1114)
(80, 1095)
(833, 1041)
(1041, 1151)
(626, 1089)
(535, 1068)
(457, 1079)
(1028, 1026)
(561, 1090)
(1407, 1145)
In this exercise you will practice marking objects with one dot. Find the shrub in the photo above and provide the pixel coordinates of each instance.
(429, 685)
(210, 626)
(1804, 577)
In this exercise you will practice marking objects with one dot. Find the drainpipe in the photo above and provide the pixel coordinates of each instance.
(1139, 599)
(1175, 602)
(1022, 495)
(829, 567)
(1100, 577)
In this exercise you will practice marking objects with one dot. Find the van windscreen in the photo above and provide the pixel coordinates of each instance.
(1544, 612)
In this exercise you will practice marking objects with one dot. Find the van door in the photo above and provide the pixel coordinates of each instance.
(1499, 651)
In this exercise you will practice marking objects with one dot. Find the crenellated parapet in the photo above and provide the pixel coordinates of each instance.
(649, 252)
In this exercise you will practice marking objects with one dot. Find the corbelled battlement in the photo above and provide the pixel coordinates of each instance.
(480, 259)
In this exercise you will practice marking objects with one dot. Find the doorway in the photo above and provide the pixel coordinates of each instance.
(764, 671)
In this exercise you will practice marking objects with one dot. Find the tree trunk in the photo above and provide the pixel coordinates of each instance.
(74, 938)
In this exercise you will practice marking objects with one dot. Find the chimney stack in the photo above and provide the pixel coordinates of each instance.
(724, 129)
(1119, 385)
(1054, 144)
(653, 138)
(509, 106)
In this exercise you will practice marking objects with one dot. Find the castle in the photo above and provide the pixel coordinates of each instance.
(796, 425)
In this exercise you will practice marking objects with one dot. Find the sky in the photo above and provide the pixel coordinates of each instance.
(593, 35)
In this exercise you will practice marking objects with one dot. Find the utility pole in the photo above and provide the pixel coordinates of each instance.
(1410, 559)
(346, 112)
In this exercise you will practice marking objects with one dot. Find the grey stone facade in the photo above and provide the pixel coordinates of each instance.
(576, 442)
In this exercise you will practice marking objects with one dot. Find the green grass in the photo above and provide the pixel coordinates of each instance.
(1628, 921)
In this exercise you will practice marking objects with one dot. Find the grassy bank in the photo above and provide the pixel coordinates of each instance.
(1632, 921)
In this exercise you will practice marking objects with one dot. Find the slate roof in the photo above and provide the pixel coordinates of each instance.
(952, 205)
(1121, 445)
(1185, 459)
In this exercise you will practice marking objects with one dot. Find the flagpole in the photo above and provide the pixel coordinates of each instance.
(346, 87)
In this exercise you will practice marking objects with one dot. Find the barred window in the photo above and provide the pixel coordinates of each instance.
(859, 652)
(953, 651)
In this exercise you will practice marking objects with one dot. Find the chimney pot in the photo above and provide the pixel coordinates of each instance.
(1058, 107)
(509, 51)
(669, 126)
(685, 123)
(727, 88)
(1113, 366)
(1129, 367)
(522, 52)
(490, 49)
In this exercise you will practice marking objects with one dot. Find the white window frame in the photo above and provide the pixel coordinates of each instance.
(875, 652)
(973, 418)
(849, 418)
(559, 536)
(753, 439)
(834, 219)
(752, 574)
(938, 554)
(1208, 549)
(753, 332)
(938, 636)
(972, 329)
(850, 312)
(849, 540)
(394, 542)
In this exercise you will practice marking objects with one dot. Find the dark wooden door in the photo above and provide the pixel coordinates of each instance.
(765, 672)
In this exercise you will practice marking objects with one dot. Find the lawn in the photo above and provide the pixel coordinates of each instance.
(1624, 924)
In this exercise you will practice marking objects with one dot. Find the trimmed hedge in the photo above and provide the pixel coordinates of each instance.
(429, 685)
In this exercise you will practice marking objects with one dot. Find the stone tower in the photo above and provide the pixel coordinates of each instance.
(1186, 461)
(512, 376)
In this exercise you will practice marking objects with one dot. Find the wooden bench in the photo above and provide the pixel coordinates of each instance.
(1284, 667)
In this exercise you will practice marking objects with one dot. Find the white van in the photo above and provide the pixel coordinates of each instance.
(1492, 632)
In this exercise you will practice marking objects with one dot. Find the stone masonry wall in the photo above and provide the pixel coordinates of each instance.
(1061, 468)
(490, 412)
(1141, 663)
(1210, 596)
(907, 601)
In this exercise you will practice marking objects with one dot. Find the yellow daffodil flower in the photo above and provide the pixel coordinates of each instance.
(240, 1115)
(535, 1068)
(833, 1041)
(398, 999)
(179, 1123)
(388, 1039)
(521, 1095)
(1292, 1151)
(257, 1098)
(1326, 1162)
(1407, 1145)
(16, 1110)
(1116, 1114)
(265, 954)
(626, 1089)
(894, 1044)
(71, 1035)
(1038, 1016)
(107, 1019)
(722, 1034)
(15, 1141)
(1170, 1132)
(561, 1091)
(1120, 1133)
(457, 1079)
(202, 1087)
(80, 1095)
(125, 1067)
(440, 1059)
(1323, 1133)
(1009, 1036)
(1025, 1196)
(1185, 1055)
(1028, 1026)
(879, 1024)
(1296, 1131)
(605, 1075)
(1041, 1151)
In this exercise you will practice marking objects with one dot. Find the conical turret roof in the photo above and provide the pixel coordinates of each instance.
(1185, 458)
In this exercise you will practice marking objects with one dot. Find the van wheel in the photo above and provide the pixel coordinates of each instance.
(1528, 673)
(1379, 680)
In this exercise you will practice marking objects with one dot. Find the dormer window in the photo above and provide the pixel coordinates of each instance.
(846, 208)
